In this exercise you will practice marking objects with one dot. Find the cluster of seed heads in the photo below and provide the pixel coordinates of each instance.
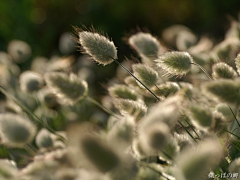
(172, 115)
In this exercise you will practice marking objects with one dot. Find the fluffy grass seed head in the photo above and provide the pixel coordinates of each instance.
(171, 149)
(131, 82)
(162, 112)
(130, 107)
(237, 62)
(234, 167)
(223, 90)
(154, 137)
(188, 87)
(123, 92)
(185, 39)
(145, 74)
(165, 90)
(145, 44)
(15, 130)
(175, 63)
(47, 97)
(225, 110)
(30, 81)
(127, 169)
(39, 167)
(226, 50)
(222, 70)
(99, 154)
(170, 33)
(66, 44)
(219, 122)
(183, 141)
(99, 47)
(121, 134)
(202, 117)
(43, 139)
(195, 164)
(8, 169)
(19, 50)
(39, 64)
(68, 88)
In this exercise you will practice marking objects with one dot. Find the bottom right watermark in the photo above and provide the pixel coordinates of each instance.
(211, 175)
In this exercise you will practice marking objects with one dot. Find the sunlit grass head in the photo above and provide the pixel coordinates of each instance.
(30, 81)
(16, 131)
(68, 88)
(145, 44)
(223, 90)
(222, 70)
(146, 74)
(175, 63)
(122, 91)
(98, 46)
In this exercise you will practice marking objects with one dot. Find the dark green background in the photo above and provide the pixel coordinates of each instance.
(41, 22)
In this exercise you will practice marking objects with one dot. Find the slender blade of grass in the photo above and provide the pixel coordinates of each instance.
(31, 114)
(187, 130)
(136, 78)
(234, 115)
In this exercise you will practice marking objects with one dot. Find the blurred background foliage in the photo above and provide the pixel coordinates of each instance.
(41, 22)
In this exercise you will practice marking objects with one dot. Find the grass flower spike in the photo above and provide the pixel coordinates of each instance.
(154, 138)
(98, 46)
(123, 92)
(222, 70)
(16, 131)
(102, 50)
(121, 134)
(165, 90)
(69, 88)
(99, 154)
(130, 107)
(43, 139)
(200, 116)
(225, 110)
(145, 44)
(195, 164)
(30, 81)
(237, 62)
(223, 90)
(19, 50)
(175, 63)
(146, 74)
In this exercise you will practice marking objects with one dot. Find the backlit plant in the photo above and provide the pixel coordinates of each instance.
(182, 126)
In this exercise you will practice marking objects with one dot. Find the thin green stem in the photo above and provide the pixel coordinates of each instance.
(168, 156)
(203, 70)
(231, 133)
(235, 146)
(186, 130)
(191, 126)
(26, 110)
(160, 91)
(101, 106)
(30, 150)
(5, 152)
(135, 78)
(234, 115)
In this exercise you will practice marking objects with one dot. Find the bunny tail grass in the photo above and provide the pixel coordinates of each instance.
(26, 110)
(135, 78)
